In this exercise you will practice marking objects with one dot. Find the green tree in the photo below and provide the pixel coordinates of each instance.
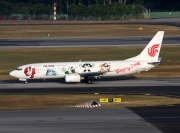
(138, 10)
(22, 8)
(6, 9)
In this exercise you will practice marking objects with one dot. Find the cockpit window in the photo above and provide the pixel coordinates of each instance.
(19, 69)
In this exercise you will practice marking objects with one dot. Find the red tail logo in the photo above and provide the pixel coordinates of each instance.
(153, 50)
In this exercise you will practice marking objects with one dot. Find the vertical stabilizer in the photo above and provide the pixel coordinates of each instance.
(152, 50)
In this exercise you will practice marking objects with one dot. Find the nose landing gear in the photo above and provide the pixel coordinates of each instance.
(24, 80)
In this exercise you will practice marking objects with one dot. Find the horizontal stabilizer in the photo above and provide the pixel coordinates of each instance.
(156, 62)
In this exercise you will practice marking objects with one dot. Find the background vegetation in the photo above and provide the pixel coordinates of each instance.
(80, 9)
(83, 9)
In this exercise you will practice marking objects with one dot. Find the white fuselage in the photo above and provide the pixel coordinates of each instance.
(59, 70)
(73, 71)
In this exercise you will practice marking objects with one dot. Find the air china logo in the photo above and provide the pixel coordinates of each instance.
(153, 50)
(29, 71)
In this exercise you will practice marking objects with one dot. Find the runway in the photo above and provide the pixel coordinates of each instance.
(97, 120)
(83, 42)
(168, 87)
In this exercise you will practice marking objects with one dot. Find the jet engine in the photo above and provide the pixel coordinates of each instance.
(73, 78)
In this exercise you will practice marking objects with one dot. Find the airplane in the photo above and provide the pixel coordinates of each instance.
(74, 72)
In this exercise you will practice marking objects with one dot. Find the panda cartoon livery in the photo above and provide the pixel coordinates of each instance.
(87, 67)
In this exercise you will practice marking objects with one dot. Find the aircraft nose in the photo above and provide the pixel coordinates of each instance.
(12, 73)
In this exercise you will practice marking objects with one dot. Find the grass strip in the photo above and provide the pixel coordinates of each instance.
(46, 101)
(97, 30)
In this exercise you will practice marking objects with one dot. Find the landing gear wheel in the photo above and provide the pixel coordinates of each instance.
(89, 81)
(25, 82)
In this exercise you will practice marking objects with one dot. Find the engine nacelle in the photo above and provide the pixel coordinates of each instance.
(73, 78)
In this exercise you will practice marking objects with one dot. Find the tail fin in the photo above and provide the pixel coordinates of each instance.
(152, 50)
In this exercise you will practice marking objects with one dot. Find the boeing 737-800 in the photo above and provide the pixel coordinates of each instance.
(75, 71)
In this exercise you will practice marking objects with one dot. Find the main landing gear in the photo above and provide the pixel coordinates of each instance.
(88, 80)
(25, 82)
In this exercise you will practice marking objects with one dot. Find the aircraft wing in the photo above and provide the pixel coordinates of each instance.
(85, 74)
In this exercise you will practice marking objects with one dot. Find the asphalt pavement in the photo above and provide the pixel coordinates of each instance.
(84, 42)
